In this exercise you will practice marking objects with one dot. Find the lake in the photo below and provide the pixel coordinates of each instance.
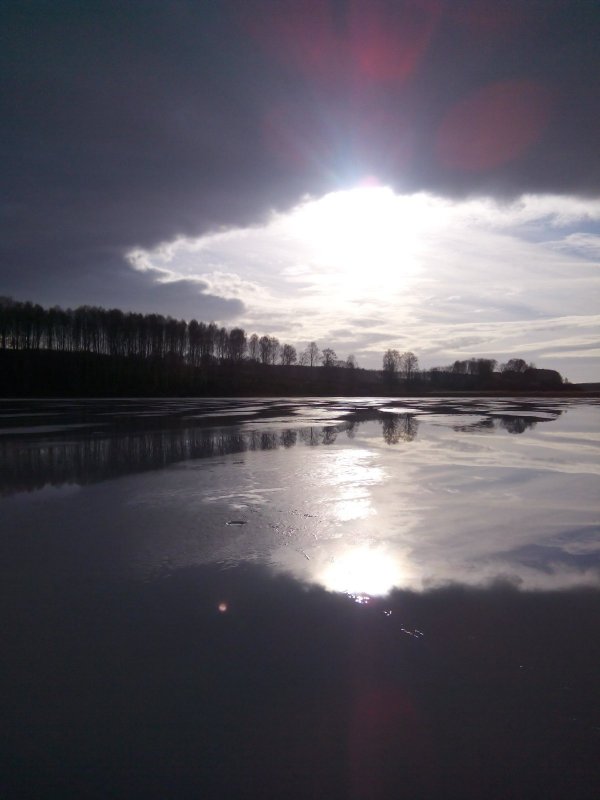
(300, 598)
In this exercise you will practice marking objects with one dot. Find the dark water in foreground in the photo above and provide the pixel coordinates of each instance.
(300, 599)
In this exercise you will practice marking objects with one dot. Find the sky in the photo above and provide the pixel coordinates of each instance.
(414, 174)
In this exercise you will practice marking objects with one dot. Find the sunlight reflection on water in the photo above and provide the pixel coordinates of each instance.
(351, 474)
(359, 504)
(371, 571)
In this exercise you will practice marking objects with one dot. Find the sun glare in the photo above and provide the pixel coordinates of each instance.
(363, 571)
(367, 231)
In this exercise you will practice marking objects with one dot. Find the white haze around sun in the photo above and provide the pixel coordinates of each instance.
(366, 269)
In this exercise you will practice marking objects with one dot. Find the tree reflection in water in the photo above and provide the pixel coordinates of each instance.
(32, 462)
(398, 427)
(516, 424)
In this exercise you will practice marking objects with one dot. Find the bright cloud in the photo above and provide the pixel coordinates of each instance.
(366, 269)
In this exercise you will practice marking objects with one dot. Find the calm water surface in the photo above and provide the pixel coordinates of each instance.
(304, 598)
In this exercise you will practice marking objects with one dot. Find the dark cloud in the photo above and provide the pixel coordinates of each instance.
(125, 124)
(113, 285)
(184, 298)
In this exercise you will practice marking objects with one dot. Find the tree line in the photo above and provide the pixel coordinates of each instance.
(472, 373)
(112, 332)
(94, 351)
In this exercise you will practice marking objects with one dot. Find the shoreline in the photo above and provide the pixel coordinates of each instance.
(567, 393)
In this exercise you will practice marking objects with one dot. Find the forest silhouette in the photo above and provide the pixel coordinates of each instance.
(92, 351)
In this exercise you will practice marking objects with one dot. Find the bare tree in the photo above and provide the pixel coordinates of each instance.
(409, 366)
(310, 357)
(269, 348)
(514, 365)
(194, 342)
(391, 364)
(264, 344)
(237, 344)
(222, 343)
(328, 357)
(206, 336)
(288, 355)
(274, 349)
(254, 347)
(485, 367)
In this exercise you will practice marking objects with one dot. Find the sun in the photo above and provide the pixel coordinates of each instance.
(367, 231)
(363, 570)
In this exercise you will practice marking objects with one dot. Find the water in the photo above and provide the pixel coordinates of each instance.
(304, 598)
